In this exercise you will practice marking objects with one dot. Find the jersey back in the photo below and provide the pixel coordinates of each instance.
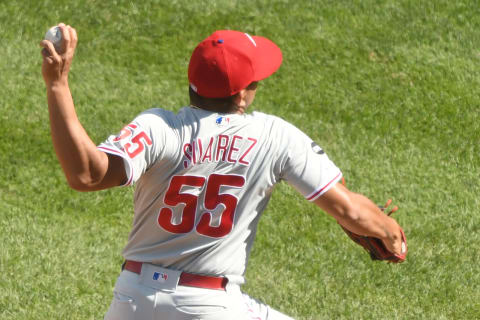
(202, 180)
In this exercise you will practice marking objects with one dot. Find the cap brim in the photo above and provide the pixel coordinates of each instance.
(268, 58)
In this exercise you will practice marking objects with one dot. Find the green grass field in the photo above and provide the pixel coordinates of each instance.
(389, 88)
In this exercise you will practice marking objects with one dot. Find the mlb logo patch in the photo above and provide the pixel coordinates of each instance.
(159, 276)
(221, 121)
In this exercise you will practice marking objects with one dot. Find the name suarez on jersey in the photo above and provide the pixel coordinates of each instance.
(227, 148)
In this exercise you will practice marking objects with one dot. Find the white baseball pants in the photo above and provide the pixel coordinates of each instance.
(153, 297)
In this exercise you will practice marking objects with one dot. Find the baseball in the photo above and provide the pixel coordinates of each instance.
(54, 35)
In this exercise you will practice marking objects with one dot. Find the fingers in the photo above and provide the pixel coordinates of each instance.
(69, 37)
(395, 239)
(56, 62)
(65, 36)
(387, 204)
(49, 52)
(74, 37)
(400, 246)
(46, 56)
(395, 209)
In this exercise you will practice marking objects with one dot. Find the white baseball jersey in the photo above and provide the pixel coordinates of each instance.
(203, 179)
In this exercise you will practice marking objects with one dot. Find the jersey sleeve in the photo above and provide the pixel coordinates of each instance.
(305, 165)
(140, 143)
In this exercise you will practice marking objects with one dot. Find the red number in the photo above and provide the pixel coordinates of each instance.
(139, 144)
(213, 198)
(174, 197)
(125, 132)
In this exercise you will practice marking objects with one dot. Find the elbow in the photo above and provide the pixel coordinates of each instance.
(82, 183)
(77, 186)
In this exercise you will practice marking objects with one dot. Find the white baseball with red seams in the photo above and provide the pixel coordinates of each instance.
(203, 180)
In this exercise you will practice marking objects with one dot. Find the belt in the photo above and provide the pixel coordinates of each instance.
(186, 279)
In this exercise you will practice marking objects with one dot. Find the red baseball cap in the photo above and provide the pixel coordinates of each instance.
(228, 61)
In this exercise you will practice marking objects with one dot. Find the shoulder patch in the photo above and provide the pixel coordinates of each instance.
(317, 149)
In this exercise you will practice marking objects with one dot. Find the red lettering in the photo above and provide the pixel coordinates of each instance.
(241, 160)
(200, 149)
(194, 158)
(233, 149)
(218, 191)
(125, 132)
(221, 147)
(208, 151)
(186, 147)
(137, 144)
(187, 151)
(214, 197)
(173, 197)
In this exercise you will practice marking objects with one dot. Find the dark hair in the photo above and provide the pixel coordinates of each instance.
(222, 105)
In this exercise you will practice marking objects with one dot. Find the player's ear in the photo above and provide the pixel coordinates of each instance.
(240, 98)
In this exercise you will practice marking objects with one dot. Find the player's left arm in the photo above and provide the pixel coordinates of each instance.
(308, 169)
(86, 168)
(360, 215)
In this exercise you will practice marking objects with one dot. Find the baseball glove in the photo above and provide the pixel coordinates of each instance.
(375, 246)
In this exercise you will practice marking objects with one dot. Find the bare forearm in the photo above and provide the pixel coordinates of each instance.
(86, 167)
(356, 212)
(366, 218)
(81, 161)
(360, 215)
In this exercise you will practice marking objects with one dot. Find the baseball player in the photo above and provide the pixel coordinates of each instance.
(203, 176)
